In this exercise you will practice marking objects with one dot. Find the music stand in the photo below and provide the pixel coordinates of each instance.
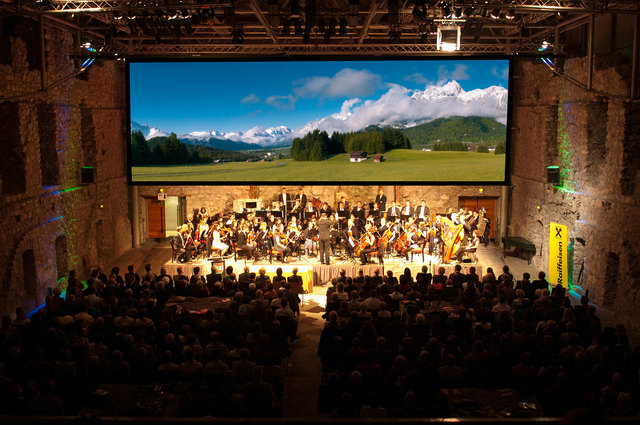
(262, 214)
(308, 215)
(276, 213)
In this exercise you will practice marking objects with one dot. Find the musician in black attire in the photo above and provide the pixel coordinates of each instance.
(370, 243)
(325, 209)
(181, 245)
(243, 242)
(393, 211)
(279, 244)
(284, 199)
(302, 198)
(422, 212)
(381, 200)
(263, 239)
(324, 236)
(359, 214)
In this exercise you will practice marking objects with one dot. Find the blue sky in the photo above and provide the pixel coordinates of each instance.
(237, 96)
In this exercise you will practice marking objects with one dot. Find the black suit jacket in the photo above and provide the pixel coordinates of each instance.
(381, 201)
(287, 204)
(324, 229)
(303, 199)
(419, 210)
(393, 212)
(404, 209)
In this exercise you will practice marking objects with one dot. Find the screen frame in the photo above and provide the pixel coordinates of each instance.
(356, 58)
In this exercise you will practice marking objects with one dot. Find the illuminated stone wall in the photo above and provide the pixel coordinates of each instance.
(593, 137)
(46, 139)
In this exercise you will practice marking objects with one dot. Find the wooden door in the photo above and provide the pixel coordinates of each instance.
(477, 202)
(155, 219)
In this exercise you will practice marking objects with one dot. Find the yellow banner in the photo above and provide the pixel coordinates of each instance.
(558, 271)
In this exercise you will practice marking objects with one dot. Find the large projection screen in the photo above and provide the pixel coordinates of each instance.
(320, 121)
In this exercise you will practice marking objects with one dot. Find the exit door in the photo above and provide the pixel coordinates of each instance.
(155, 219)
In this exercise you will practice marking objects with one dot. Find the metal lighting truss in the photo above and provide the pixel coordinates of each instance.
(202, 28)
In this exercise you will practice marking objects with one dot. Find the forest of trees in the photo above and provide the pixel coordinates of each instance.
(170, 151)
(317, 145)
(457, 129)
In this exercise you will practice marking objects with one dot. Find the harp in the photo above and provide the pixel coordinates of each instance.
(452, 235)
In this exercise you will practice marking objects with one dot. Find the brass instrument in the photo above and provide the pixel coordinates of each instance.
(482, 222)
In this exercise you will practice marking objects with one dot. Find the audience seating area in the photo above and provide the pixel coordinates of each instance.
(119, 346)
(437, 346)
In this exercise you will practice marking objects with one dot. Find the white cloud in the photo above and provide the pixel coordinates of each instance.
(503, 73)
(401, 105)
(282, 102)
(417, 78)
(459, 73)
(252, 98)
(345, 83)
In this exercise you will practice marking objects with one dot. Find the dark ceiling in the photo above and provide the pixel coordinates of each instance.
(197, 28)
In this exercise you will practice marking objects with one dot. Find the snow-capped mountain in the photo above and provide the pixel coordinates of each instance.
(493, 98)
(148, 131)
(257, 135)
(401, 108)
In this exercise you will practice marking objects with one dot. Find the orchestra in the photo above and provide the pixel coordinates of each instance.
(308, 227)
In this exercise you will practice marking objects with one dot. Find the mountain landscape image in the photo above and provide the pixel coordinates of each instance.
(325, 118)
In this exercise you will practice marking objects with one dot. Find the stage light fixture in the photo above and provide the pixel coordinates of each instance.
(274, 13)
(457, 12)
(511, 13)
(469, 11)
(392, 12)
(446, 11)
(495, 13)
(419, 12)
(448, 38)
(295, 9)
(343, 27)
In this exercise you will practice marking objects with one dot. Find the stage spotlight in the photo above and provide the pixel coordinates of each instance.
(419, 12)
(117, 15)
(446, 11)
(343, 27)
(274, 13)
(511, 13)
(237, 36)
(495, 14)
(448, 38)
(188, 27)
(457, 12)
(469, 11)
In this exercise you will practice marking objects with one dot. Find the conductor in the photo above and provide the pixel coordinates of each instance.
(324, 236)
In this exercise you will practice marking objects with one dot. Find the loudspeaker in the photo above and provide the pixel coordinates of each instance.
(553, 174)
(87, 175)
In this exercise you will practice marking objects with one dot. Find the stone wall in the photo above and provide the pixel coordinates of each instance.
(51, 221)
(593, 137)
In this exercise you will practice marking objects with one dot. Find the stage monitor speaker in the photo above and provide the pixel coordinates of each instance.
(87, 175)
(553, 174)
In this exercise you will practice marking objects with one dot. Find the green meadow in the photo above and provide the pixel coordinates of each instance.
(401, 165)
